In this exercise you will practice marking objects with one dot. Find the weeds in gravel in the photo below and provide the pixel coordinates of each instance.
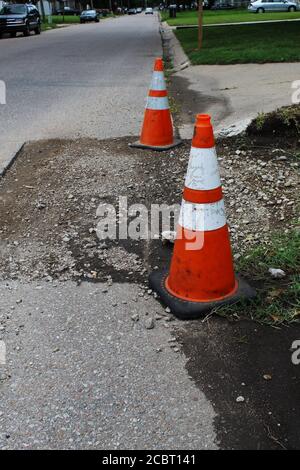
(168, 66)
(290, 115)
(260, 120)
(284, 120)
(278, 300)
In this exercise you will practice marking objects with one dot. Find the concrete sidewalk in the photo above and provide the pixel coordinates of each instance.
(232, 94)
(233, 24)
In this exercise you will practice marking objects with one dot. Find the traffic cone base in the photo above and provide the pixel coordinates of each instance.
(190, 310)
(157, 129)
(202, 300)
(159, 148)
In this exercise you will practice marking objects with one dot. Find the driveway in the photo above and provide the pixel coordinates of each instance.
(84, 80)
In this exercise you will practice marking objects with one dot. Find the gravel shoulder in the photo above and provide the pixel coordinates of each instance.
(50, 197)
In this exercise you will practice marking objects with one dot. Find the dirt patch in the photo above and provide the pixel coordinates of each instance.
(50, 196)
(244, 359)
(284, 122)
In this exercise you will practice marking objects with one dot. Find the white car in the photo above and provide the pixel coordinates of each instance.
(262, 6)
(149, 11)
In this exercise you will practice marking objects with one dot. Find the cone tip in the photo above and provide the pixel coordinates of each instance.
(203, 119)
(203, 132)
(158, 65)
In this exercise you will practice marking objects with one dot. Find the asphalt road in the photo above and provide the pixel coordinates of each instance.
(85, 80)
(80, 372)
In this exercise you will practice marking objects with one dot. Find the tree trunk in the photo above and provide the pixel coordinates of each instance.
(43, 11)
(200, 23)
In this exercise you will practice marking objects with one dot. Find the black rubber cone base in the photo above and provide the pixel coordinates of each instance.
(186, 310)
(154, 147)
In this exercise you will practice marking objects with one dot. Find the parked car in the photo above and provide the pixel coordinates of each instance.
(103, 12)
(222, 6)
(131, 11)
(261, 6)
(89, 15)
(149, 11)
(67, 11)
(15, 18)
(139, 10)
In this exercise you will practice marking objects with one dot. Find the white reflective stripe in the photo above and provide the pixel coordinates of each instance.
(158, 81)
(159, 103)
(203, 170)
(202, 217)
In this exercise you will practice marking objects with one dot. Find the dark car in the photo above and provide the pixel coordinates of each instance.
(15, 18)
(222, 6)
(131, 11)
(67, 11)
(89, 15)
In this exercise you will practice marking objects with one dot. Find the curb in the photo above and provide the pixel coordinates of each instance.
(179, 58)
(10, 161)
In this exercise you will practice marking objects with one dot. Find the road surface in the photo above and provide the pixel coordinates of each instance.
(81, 371)
(85, 80)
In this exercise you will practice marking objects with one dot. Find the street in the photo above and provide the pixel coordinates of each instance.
(84, 374)
(85, 80)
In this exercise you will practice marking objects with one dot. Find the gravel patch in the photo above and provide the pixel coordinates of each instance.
(49, 200)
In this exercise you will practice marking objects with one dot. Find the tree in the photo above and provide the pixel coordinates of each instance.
(43, 10)
(200, 23)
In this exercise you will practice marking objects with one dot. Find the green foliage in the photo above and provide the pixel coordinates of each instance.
(278, 300)
(223, 16)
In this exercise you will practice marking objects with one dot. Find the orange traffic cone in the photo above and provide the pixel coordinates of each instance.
(201, 274)
(157, 130)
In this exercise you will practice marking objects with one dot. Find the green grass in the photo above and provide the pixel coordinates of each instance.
(68, 19)
(46, 26)
(276, 42)
(58, 19)
(278, 300)
(232, 16)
